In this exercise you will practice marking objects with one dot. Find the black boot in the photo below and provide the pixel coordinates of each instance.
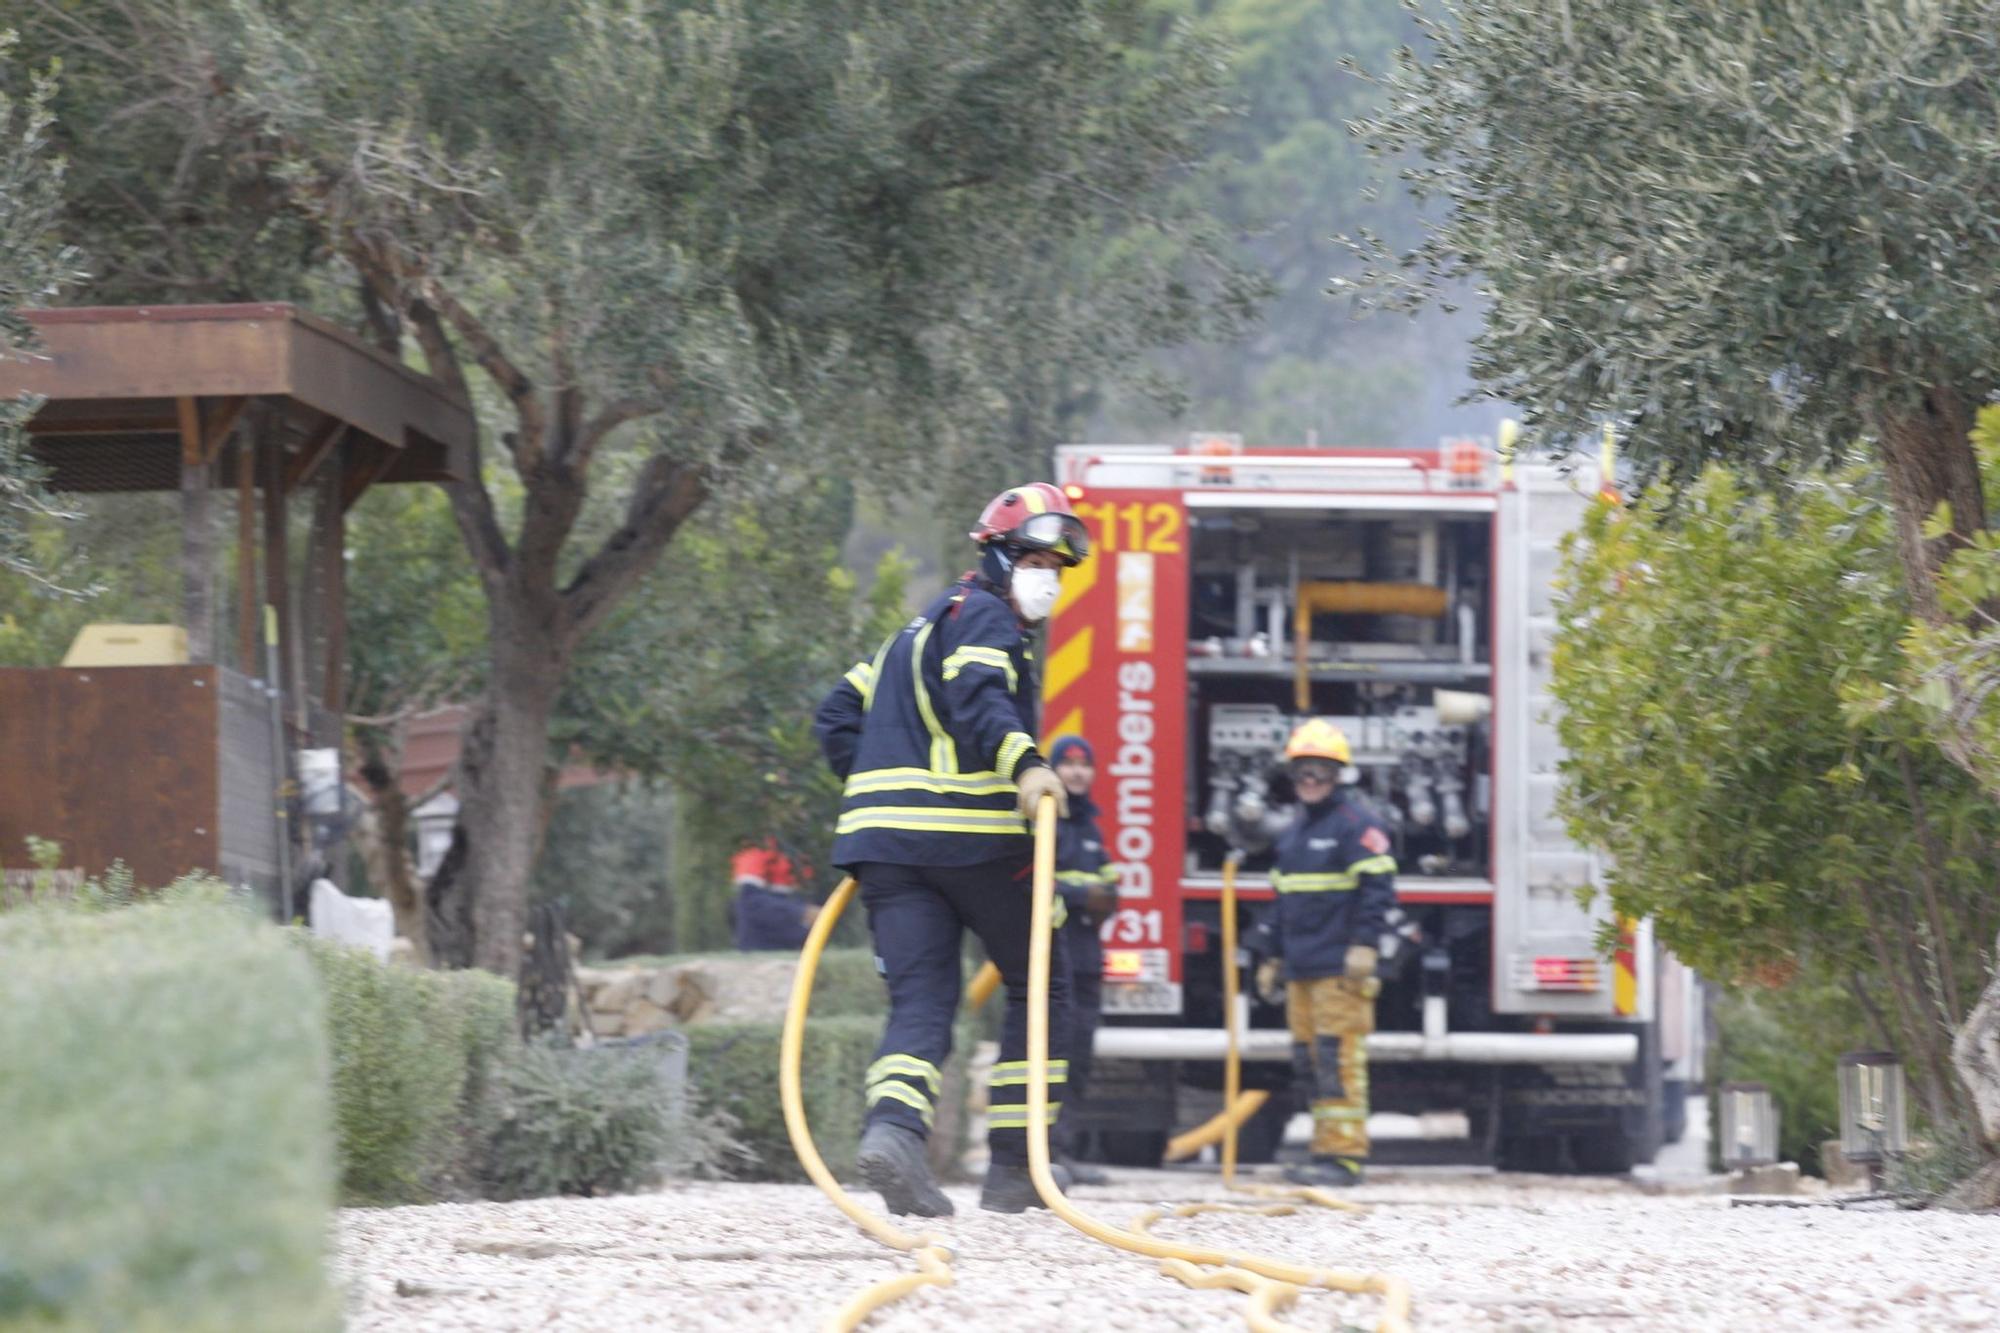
(1326, 1171)
(1009, 1189)
(892, 1160)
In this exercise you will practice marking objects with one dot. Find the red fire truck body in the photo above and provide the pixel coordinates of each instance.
(1407, 595)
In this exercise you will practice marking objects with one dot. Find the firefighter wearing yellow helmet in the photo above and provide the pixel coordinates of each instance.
(1335, 882)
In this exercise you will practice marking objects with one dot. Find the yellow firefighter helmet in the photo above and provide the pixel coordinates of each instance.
(1317, 738)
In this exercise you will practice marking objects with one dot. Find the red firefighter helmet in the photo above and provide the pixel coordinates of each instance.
(1035, 517)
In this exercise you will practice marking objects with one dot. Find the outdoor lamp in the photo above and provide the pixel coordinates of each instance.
(1872, 1123)
(1749, 1126)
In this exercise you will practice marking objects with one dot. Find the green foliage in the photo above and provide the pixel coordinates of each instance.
(1750, 230)
(413, 1052)
(1791, 1041)
(33, 268)
(118, 553)
(734, 1067)
(563, 1121)
(1729, 670)
(1964, 650)
(606, 860)
(169, 1161)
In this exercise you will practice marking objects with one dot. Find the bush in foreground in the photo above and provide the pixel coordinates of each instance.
(413, 1052)
(166, 1161)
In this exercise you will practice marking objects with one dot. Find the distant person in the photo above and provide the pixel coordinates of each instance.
(769, 911)
(1088, 883)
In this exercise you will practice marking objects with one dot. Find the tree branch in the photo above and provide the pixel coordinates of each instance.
(667, 492)
(486, 350)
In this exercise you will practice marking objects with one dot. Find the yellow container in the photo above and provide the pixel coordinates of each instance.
(128, 645)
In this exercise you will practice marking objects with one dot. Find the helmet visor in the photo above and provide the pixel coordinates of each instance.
(1063, 534)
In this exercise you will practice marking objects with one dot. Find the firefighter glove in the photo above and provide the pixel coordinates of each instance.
(1037, 782)
(1360, 962)
(1269, 988)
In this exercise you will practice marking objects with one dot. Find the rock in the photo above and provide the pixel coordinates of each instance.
(1841, 1174)
(607, 1024)
(615, 990)
(662, 986)
(643, 1016)
(1780, 1179)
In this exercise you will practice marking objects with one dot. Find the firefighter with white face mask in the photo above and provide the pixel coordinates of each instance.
(934, 739)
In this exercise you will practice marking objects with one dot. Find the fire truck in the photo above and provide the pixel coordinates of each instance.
(1406, 594)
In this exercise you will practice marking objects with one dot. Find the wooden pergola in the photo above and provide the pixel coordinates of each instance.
(295, 416)
(265, 400)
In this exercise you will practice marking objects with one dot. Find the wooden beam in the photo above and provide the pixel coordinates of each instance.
(221, 419)
(361, 474)
(333, 582)
(247, 600)
(189, 412)
(320, 443)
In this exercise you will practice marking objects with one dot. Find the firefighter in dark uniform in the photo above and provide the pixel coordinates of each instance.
(769, 912)
(935, 741)
(1336, 883)
(1088, 883)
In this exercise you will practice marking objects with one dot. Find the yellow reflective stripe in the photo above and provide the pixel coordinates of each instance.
(905, 1064)
(1374, 865)
(1108, 875)
(921, 819)
(1016, 1117)
(1034, 500)
(1014, 1073)
(1058, 914)
(922, 779)
(987, 657)
(1315, 883)
(1338, 1113)
(1012, 747)
(1085, 877)
(875, 674)
(944, 757)
(862, 677)
(904, 1093)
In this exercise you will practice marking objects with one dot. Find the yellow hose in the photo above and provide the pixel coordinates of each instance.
(1395, 1294)
(1185, 1145)
(984, 982)
(933, 1259)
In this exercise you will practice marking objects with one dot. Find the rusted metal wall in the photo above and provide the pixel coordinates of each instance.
(115, 763)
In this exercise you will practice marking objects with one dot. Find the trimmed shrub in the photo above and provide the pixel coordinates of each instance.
(562, 1121)
(734, 1070)
(167, 1159)
(413, 1052)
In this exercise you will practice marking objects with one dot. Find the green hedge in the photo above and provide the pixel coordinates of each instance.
(1791, 1040)
(412, 1054)
(168, 1159)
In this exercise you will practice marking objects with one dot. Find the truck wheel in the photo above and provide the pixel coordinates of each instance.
(1541, 1155)
(1602, 1154)
(1132, 1147)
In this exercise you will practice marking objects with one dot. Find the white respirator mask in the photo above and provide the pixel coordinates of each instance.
(1034, 592)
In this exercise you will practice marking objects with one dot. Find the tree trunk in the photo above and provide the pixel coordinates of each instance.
(479, 897)
(384, 835)
(1976, 1053)
(1927, 460)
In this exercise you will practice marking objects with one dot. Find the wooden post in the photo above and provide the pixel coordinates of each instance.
(197, 537)
(334, 585)
(249, 622)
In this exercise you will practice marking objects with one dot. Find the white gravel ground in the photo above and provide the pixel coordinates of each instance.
(1480, 1252)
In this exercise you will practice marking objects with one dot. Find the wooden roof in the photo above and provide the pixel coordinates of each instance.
(131, 391)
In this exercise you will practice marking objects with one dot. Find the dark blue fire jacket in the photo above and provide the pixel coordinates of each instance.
(930, 736)
(1336, 882)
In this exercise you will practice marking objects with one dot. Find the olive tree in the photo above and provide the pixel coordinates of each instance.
(1754, 231)
(675, 251)
(33, 267)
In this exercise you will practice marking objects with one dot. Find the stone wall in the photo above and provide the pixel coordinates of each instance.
(633, 1001)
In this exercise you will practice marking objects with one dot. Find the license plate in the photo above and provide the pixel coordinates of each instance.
(1142, 997)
